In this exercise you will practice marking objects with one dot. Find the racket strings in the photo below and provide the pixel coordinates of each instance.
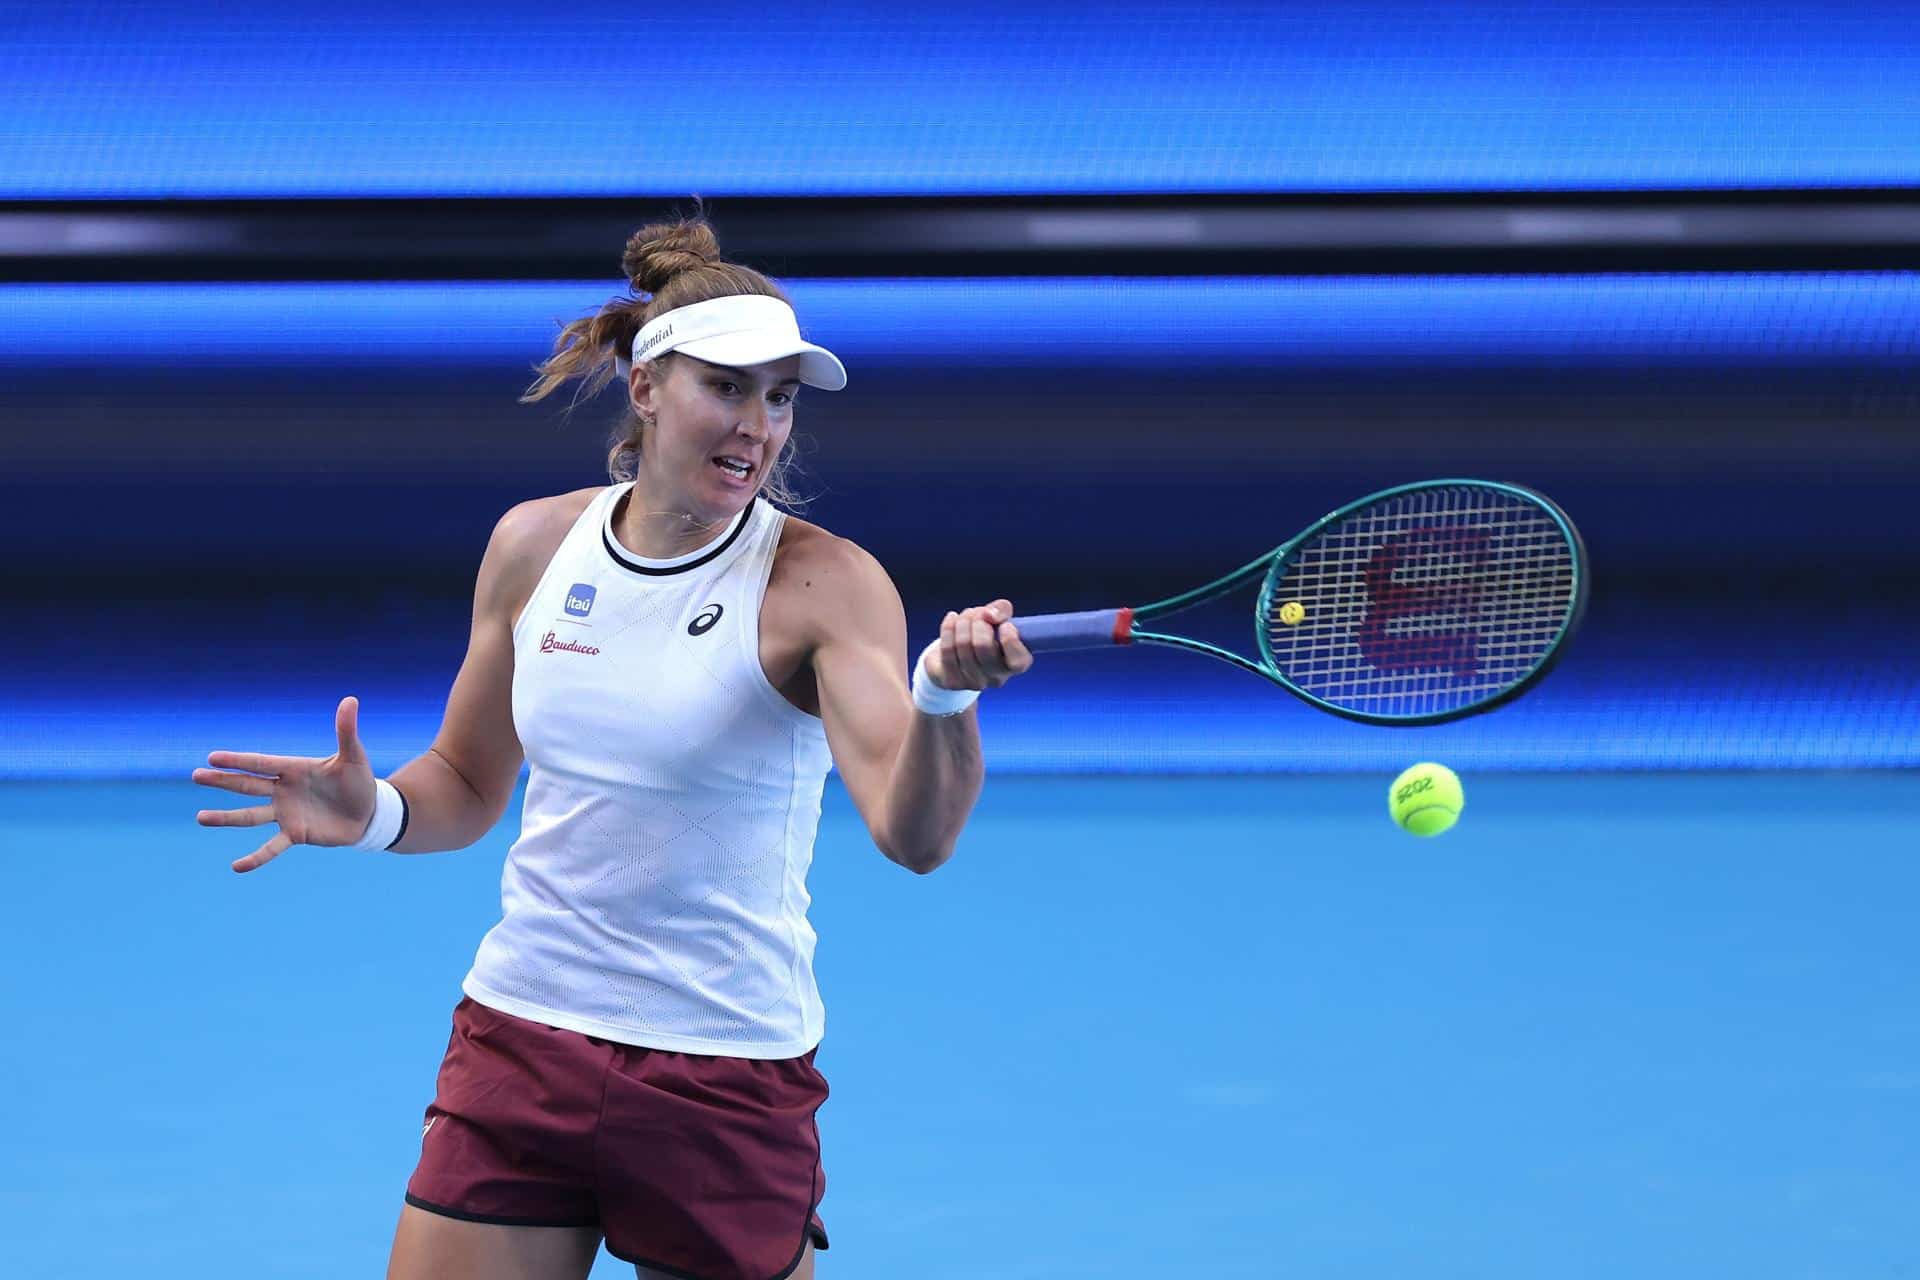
(1424, 602)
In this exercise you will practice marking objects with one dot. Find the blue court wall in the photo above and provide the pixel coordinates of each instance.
(235, 505)
(116, 99)
(1696, 424)
(1568, 322)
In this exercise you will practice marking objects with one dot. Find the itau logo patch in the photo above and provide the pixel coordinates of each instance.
(580, 600)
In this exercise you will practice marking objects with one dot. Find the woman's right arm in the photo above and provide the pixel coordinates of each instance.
(463, 784)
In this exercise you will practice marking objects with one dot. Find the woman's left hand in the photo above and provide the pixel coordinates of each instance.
(978, 648)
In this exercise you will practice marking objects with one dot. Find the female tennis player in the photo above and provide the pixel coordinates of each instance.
(679, 661)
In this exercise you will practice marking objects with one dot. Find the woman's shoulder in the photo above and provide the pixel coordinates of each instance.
(824, 567)
(804, 543)
(527, 536)
(538, 519)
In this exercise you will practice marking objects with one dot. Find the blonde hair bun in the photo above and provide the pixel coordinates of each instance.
(656, 254)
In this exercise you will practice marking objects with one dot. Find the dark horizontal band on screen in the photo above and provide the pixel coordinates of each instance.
(547, 239)
(972, 237)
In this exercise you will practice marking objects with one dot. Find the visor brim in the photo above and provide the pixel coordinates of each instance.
(819, 367)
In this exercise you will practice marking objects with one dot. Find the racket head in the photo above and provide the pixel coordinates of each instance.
(1424, 603)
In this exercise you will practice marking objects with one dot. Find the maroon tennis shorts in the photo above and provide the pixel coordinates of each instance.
(701, 1167)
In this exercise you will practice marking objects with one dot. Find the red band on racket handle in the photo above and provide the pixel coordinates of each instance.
(1048, 632)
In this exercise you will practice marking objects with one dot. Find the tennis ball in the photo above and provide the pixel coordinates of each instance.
(1292, 613)
(1426, 799)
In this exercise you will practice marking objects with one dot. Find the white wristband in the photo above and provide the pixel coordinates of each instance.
(389, 820)
(938, 700)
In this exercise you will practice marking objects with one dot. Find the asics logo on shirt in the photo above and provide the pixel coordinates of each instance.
(703, 622)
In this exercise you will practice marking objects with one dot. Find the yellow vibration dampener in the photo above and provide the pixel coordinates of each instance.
(1292, 613)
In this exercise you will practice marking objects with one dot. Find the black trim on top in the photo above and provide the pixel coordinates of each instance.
(615, 553)
(1230, 234)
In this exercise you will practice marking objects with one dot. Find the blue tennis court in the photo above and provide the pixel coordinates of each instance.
(1646, 1024)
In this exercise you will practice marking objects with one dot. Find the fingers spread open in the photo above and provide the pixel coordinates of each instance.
(251, 761)
(265, 853)
(246, 784)
(253, 816)
(346, 727)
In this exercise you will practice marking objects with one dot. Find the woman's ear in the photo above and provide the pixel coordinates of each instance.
(640, 389)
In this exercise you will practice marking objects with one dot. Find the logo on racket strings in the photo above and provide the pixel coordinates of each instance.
(1423, 602)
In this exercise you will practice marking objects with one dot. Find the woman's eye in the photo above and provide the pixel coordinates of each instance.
(782, 398)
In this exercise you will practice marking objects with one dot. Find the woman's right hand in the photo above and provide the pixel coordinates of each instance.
(318, 802)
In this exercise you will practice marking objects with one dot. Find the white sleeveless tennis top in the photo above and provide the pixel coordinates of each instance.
(657, 894)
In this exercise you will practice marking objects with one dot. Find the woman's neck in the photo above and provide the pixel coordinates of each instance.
(662, 531)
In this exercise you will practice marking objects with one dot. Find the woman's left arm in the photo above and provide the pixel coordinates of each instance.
(914, 777)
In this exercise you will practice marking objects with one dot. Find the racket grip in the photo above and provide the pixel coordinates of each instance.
(1047, 632)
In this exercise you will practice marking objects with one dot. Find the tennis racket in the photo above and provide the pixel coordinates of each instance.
(1419, 604)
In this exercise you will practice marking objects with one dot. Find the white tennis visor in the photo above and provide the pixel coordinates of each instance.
(746, 329)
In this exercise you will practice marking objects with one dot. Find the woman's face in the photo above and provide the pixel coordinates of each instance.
(717, 430)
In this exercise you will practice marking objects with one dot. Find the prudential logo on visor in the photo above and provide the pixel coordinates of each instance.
(580, 600)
